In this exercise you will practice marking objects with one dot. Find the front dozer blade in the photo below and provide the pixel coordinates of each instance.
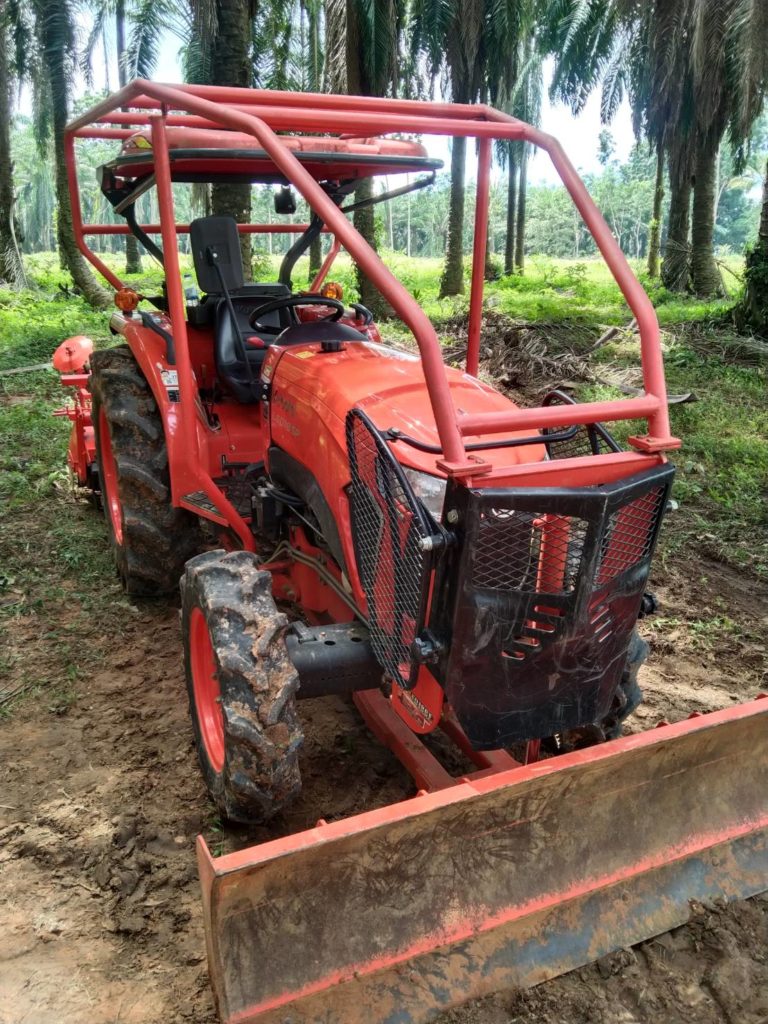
(392, 916)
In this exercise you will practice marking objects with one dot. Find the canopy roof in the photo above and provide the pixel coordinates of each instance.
(198, 154)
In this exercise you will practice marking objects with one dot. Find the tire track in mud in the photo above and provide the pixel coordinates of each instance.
(102, 800)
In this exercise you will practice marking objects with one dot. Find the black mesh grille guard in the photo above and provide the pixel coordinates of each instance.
(389, 530)
(535, 605)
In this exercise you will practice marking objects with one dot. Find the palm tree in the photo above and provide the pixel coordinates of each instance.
(686, 64)
(146, 20)
(518, 91)
(526, 106)
(640, 51)
(313, 10)
(52, 70)
(473, 44)
(220, 52)
(748, 44)
(11, 267)
(289, 55)
(362, 42)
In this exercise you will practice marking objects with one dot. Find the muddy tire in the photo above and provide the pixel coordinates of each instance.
(628, 695)
(241, 685)
(151, 540)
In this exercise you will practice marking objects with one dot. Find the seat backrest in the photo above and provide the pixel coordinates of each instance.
(218, 236)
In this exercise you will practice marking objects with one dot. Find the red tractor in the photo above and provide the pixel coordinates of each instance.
(349, 517)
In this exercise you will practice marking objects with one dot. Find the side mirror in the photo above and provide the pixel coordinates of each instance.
(285, 200)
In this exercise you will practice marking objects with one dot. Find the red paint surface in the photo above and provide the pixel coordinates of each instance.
(206, 689)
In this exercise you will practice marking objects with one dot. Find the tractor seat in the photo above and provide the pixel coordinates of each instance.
(228, 353)
(219, 270)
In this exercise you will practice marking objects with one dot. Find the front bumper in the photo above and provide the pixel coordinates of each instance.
(533, 608)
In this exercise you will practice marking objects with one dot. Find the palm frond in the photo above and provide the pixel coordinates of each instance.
(150, 20)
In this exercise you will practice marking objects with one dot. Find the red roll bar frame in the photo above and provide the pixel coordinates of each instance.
(262, 113)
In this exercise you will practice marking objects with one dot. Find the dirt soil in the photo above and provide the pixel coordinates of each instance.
(101, 801)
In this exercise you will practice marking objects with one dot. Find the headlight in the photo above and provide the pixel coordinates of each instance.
(430, 490)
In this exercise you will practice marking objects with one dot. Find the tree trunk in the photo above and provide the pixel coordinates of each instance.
(676, 266)
(365, 223)
(132, 254)
(231, 65)
(704, 270)
(315, 83)
(522, 195)
(654, 238)
(509, 247)
(11, 267)
(752, 312)
(452, 281)
(54, 60)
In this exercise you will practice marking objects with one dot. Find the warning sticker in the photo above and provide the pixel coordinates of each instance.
(170, 379)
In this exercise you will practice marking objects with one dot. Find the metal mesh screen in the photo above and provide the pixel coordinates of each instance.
(529, 552)
(580, 444)
(388, 524)
(589, 439)
(629, 534)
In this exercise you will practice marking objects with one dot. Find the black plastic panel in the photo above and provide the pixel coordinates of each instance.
(536, 603)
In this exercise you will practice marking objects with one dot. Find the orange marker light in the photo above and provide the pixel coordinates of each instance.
(127, 299)
(332, 290)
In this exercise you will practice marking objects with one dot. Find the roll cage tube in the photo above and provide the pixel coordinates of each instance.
(261, 114)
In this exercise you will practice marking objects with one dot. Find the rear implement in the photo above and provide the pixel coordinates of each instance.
(400, 913)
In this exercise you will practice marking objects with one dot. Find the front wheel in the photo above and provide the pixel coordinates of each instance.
(241, 685)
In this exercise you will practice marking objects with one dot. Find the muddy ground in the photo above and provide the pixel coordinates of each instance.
(101, 801)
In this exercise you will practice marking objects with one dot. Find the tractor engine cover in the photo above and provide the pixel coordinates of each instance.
(535, 604)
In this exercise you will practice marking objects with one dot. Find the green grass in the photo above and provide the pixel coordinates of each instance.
(722, 469)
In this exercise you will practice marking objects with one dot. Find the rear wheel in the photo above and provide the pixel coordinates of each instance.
(151, 539)
(241, 684)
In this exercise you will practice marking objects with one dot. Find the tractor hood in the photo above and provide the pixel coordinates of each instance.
(388, 384)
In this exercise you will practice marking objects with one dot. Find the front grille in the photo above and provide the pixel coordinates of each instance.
(629, 535)
(537, 601)
(388, 525)
(528, 552)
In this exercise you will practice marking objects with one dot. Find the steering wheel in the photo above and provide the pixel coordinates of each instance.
(288, 302)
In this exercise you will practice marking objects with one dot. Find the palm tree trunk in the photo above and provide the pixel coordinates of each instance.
(752, 311)
(522, 195)
(51, 29)
(132, 256)
(231, 65)
(11, 269)
(452, 281)
(509, 247)
(704, 271)
(365, 223)
(654, 240)
(676, 266)
(316, 74)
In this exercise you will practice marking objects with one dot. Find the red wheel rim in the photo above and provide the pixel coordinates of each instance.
(206, 690)
(109, 489)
